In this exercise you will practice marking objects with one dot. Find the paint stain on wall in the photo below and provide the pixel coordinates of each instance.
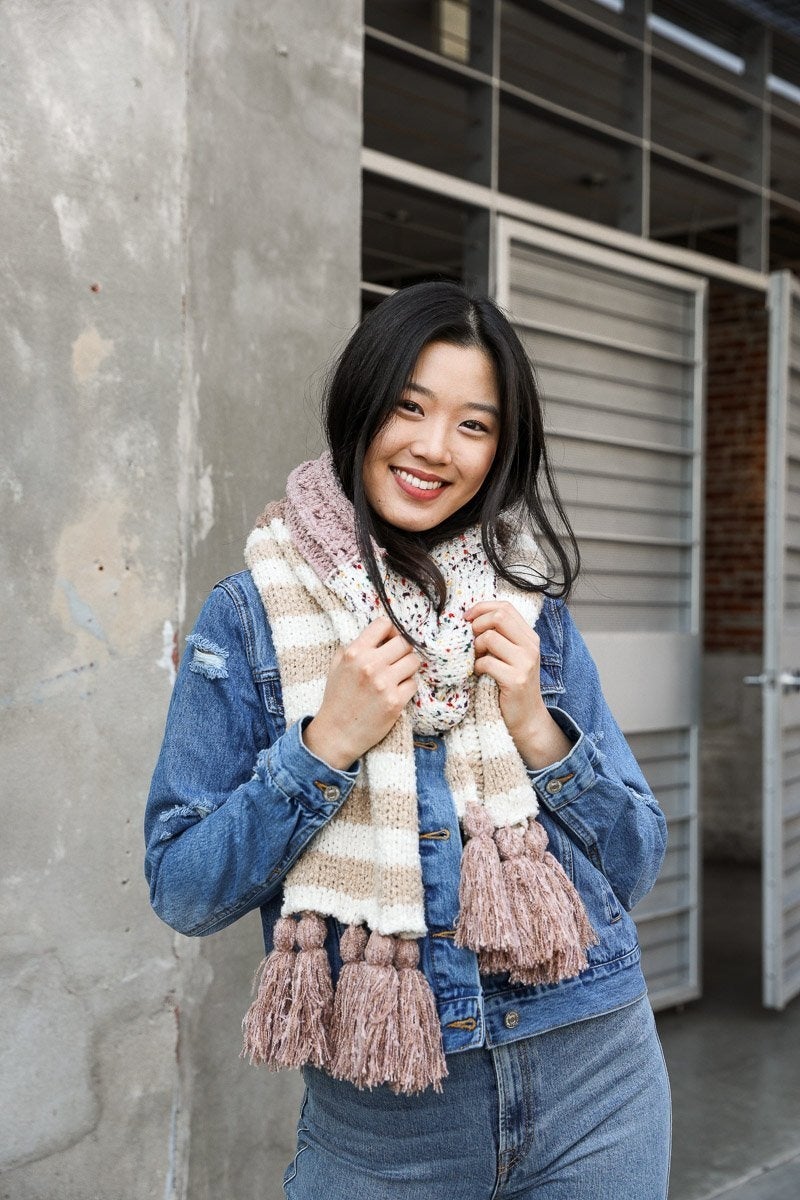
(81, 612)
(89, 352)
(102, 590)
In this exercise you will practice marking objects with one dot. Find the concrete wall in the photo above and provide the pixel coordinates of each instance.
(179, 195)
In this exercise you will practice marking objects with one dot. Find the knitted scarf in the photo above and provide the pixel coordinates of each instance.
(518, 909)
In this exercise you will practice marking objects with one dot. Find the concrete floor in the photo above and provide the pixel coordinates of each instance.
(734, 1066)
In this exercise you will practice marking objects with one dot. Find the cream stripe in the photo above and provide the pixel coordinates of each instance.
(297, 631)
(386, 919)
(275, 531)
(271, 571)
(387, 846)
(303, 698)
(509, 810)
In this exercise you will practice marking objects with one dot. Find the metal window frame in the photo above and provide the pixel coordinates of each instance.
(783, 290)
(631, 32)
(498, 204)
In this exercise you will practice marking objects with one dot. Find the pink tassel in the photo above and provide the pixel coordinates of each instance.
(533, 905)
(560, 882)
(368, 1052)
(554, 930)
(305, 1036)
(485, 920)
(348, 1017)
(572, 930)
(265, 1020)
(422, 1062)
(586, 934)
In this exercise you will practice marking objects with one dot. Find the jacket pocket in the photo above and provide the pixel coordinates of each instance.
(268, 683)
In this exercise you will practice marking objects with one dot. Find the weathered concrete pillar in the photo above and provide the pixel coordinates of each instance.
(179, 205)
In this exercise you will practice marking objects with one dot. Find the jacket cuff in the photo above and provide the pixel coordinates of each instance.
(303, 777)
(563, 781)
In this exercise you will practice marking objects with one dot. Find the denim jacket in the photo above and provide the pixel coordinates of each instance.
(236, 798)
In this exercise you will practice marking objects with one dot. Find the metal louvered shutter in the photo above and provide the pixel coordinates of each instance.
(618, 346)
(781, 872)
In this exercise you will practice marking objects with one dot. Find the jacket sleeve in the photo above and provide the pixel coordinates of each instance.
(231, 805)
(597, 791)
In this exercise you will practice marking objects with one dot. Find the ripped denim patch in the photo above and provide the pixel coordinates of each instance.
(178, 818)
(208, 659)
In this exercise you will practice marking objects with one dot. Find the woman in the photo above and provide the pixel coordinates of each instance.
(394, 675)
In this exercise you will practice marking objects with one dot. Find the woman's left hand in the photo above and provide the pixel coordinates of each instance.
(507, 649)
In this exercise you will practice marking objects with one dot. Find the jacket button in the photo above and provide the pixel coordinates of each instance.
(511, 1019)
(553, 787)
(331, 793)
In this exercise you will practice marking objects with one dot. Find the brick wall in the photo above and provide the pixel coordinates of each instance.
(735, 470)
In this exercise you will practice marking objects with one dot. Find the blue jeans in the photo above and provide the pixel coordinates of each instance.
(576, 1113)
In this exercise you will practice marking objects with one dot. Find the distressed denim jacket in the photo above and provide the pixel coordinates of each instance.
(236, 798)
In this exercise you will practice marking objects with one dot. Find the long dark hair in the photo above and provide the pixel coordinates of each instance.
(363, 389)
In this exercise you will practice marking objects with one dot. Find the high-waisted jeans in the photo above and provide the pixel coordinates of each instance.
(577, 1113)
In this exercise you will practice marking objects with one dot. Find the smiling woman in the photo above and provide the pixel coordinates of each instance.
(398, 765)
(434, 452)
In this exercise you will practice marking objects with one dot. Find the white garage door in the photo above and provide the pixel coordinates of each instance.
(618, 345)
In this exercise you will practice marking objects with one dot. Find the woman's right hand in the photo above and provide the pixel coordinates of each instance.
(369, 684)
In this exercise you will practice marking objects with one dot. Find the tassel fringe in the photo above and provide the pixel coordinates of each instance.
(485, 919)
(550, 928)
(380, 1025)
(519, 911)
(265, 1019)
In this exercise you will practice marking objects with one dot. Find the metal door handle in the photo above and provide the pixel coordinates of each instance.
(788, 680)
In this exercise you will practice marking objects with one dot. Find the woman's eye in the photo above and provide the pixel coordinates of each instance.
(409, 405)
(476, 425)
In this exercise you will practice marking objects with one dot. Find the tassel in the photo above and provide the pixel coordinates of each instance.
(265, 1019)
(369, 1049)
(422, 1061)
(554, 930)
(485, 920)
(306, 1033)
(533, 905)
(348, 1017)
(573, 932)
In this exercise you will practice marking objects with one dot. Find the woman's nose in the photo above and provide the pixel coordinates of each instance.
(432, 445)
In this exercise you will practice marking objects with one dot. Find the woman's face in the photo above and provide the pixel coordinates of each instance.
(434, 453)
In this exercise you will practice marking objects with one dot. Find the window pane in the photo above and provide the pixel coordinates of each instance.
(409, 235)
(687, 209)
(563, 63)
(699, 122)
(424, 114)
(555, 164)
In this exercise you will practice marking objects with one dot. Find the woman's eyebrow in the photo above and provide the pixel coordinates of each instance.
(487, 408)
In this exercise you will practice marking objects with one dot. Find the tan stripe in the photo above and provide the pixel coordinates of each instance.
(299, 665)
(359, 809)
(394, 885)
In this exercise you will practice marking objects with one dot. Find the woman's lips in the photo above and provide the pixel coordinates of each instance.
(419, 493)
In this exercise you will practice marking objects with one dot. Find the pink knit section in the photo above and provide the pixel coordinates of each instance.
(319, 516)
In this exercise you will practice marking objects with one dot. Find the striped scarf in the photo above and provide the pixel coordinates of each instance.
(517, 909)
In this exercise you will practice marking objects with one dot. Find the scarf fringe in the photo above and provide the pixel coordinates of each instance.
(520, 911)
(379, 1026)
